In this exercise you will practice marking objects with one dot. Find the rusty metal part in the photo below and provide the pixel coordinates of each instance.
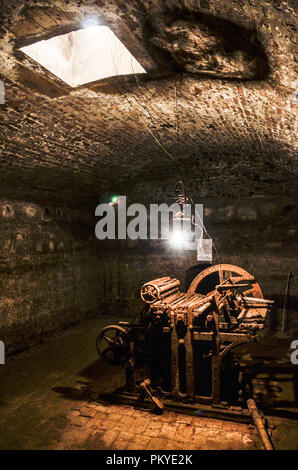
(231, 413)
(145, 385)
(259, 422)
(158, 289)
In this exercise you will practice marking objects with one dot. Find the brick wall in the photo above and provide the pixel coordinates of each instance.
(48, 273)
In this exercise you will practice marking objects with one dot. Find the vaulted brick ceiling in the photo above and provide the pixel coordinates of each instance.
(215, 100)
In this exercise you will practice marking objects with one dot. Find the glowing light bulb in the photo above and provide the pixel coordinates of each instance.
(90, 22)
(178, 239)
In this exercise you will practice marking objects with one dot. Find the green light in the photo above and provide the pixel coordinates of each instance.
(114, 199)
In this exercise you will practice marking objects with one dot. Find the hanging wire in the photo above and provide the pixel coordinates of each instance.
(176, 106)
(186, 195)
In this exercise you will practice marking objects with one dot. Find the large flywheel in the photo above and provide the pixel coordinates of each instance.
(226, 273)
(248, 298)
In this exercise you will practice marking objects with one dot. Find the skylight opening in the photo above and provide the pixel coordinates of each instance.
(84, 56)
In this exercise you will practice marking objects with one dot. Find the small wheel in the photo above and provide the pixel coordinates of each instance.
(112, 345)
(149, 293)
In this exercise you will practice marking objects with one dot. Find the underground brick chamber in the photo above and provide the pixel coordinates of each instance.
(215, 108)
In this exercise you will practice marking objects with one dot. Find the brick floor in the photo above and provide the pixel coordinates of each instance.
(135, 429)
(49, 400)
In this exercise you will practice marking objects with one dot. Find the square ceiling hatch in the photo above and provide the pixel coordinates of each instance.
(84, 56)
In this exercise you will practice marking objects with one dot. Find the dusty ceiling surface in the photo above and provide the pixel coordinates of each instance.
(215, 100)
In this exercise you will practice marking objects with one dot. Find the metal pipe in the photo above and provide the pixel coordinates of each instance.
(251, 405)
(202, 309)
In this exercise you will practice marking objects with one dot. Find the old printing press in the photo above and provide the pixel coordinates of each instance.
(181, 349)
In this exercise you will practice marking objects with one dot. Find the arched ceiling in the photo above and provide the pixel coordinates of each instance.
(215, 101)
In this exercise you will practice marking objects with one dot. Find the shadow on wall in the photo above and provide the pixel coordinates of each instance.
(207, 284)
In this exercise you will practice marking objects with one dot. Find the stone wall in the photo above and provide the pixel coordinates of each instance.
(48, 273)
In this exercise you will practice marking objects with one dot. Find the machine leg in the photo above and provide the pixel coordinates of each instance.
(175, 363)
(216, 366)
(190, 386)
